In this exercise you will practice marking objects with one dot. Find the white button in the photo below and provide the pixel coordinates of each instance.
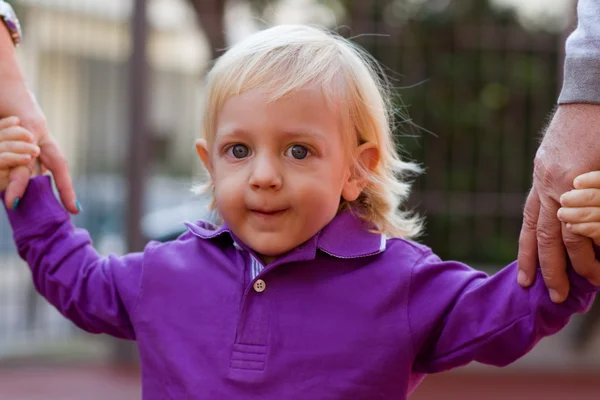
(259, 286)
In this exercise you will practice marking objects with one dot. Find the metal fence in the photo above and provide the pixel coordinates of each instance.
(477, 86)
(480, 87)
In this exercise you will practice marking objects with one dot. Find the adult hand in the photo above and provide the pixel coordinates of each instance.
(17, 100)
(571, 146)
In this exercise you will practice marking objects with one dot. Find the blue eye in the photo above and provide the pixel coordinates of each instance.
(239, 151)
(298, 152)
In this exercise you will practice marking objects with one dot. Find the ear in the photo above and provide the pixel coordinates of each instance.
(366, 158)
(204, 154)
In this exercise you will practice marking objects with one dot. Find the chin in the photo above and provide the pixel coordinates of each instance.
(271, 251)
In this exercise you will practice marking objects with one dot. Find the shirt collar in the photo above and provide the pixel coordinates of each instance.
(207, 230)
(346, 236)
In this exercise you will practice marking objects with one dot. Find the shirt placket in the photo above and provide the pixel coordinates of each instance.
(249, 353)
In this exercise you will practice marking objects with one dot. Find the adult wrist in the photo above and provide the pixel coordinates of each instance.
(10, 21)
(7, 46)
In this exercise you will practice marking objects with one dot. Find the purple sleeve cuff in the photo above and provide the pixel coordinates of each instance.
(37, 206)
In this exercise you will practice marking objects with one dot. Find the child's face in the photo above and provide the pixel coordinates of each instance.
(279, 168)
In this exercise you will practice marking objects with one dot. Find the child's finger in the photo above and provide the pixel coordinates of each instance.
(589, 229)
(578, 215)
(581, 198)
(8, 122)
(587, 180)
(16, 133)
(19, 147)
(11, 160)
(18, 179)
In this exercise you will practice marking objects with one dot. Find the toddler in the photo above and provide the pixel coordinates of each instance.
(311, 287)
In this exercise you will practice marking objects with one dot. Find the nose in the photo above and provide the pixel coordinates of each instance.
(265, 173)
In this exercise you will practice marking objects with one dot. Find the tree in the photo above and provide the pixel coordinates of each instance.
(211, 17)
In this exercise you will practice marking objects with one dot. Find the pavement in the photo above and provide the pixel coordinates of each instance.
(69, 382)
(531, 385)
(89, 382)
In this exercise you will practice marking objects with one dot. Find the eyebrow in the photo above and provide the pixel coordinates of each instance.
(300, 133)
(295, 133)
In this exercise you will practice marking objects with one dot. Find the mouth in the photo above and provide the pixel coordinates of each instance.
(267, 213)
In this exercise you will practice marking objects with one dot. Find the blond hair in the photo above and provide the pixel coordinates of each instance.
(288, 58)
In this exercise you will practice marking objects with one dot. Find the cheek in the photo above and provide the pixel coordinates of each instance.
(328, 181)
(225, 174)
(320, 195)
(228, 188)
(319, 207)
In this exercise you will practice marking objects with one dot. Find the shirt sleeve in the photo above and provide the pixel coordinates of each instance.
(581, 82)
(98, 294)
(458, 314)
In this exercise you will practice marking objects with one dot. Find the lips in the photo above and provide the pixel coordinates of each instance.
(267, 212)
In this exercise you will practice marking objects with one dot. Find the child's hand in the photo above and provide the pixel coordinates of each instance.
(581, 206)
(16, 148)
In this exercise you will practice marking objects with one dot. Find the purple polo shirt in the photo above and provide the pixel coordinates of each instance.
(346, 315)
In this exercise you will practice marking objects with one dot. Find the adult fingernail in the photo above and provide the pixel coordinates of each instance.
(522, 278)
(78, 204)
(16, 203)
(555, 296)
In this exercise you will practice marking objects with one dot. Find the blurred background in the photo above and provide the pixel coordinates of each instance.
(119, 81)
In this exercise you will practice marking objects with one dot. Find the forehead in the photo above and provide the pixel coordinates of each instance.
(305, 111)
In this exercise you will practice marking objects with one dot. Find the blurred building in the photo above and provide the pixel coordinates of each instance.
(75, 55)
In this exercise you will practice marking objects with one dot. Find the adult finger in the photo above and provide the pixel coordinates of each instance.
(53, 159)
(527, 255)
(18, 179)
(582, 256)
(551, 251)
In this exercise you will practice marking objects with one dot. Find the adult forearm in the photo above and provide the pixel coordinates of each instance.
(17, 100)
(12, 80)
(9, 67)
(582, 63)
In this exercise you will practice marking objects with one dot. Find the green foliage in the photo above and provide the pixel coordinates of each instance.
(481, 99)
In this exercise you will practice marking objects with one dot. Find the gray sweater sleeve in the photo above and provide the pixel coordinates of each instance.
(582, 63)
